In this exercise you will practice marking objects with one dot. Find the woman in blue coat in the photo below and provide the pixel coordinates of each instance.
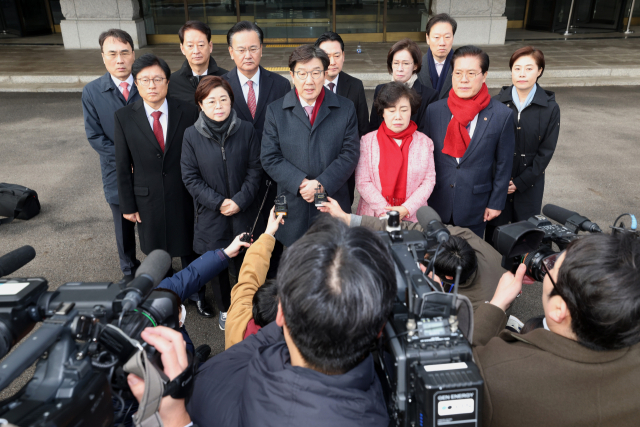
(221, 170)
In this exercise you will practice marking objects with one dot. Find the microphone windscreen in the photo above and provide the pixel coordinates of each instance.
(557, 213)
(155, 265)
(425, 215)
(16, 259)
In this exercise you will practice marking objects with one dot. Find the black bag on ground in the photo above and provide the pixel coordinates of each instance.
(17, 201)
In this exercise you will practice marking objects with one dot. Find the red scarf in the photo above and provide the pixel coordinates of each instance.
(393, 169)
(252, 328)
(316, 106)
(464, 110)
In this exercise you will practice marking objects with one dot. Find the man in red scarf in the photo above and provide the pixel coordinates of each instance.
(310, 142)
(473, 139)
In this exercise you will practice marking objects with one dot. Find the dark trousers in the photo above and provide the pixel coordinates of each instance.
(125, 240)
(478, 228)
(222, 286)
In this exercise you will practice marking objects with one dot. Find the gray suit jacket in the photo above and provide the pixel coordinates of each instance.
(425, 78)
(292, 150)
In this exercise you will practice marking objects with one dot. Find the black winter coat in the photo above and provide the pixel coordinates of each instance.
(183, 84)
(253, 384)
(155, 188)
(537, 132)
(427, 96)
(213, 171)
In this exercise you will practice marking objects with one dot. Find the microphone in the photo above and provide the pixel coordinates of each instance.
(148, 276)
(16, 259)
(570, 219)
(432, 225)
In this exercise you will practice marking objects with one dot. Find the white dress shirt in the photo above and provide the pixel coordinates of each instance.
(335, 81)
(164, 117)
(201, 75)
(245, 87)
(118, 81)
(439, 66)
(472, 129)
(304, 103)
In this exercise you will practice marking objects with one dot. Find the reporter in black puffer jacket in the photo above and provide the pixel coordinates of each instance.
(221, 170)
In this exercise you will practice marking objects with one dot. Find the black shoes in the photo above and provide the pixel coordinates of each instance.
(127, 278)
(204, 309)
(203, 352)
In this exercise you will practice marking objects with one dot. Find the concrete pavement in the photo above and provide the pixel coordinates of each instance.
(569, 63)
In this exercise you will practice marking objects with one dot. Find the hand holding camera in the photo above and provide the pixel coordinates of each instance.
(236, 246)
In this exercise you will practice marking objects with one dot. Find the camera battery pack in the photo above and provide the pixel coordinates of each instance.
(281, 205)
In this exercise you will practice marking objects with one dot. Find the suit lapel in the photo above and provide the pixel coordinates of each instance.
(239, 102)
(445, 118)
(140, 119)
(343, 84)
(484, 117)
(265, 89)
(175, 113)
(330, 100)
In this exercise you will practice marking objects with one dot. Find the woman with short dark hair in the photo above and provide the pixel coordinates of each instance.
(537, 125)
(221, 169)
(404, 62)
(396, 169)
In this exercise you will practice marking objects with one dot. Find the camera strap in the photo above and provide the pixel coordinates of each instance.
(147, 415)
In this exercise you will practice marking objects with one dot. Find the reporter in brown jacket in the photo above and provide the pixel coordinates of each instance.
(253, 274)
(583, 367)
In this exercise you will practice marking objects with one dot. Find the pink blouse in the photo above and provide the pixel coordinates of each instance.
(421, 176)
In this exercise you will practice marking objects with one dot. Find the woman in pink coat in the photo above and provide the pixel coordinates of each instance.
(396, 169)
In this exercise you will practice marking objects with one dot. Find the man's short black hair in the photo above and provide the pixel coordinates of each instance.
(441, 17)
(194, 25)
(306, 53)
(456, 252)
(337, 286)
(599, 280)
(244, 26)
(471, 50)
(329, 36)
(149, 60)
(118, 34)
(265, 303)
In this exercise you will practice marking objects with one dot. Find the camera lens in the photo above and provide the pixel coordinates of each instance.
(533, 261)
(394, 219)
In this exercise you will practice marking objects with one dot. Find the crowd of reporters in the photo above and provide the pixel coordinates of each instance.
(196, 158)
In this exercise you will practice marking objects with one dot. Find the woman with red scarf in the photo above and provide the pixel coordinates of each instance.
(396, 169)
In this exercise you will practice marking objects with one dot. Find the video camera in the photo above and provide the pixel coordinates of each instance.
(88, 332)
(426, 363)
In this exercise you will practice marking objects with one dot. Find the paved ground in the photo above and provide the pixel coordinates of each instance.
(43, 146)
(579, 62)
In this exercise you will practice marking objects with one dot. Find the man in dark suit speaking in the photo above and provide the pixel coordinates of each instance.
(473, 140)
(148, 139)
(341, 83)
(310, 141)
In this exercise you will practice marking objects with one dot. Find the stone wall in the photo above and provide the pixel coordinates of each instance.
(85, 20)
(480, 22)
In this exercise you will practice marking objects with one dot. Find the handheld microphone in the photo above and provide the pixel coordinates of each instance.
(148, 276)
(16, 259)
(570, 219)
(432, 225)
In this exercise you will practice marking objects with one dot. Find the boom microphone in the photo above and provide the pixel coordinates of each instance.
(148, 276)
(16, 259)
(570, 219)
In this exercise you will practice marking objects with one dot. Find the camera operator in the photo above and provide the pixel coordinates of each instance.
(583, 367)
(480, 262)
(312, 366)
(254, 303)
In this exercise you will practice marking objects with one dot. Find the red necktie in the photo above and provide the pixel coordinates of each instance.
(251, 99)
(125, 90)
(157, 128)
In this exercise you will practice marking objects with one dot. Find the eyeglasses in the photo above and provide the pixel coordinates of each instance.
(315, 74)
(252, 50)
(113, 55)
(547, 265)
(404, 65)
(471, 74)
(145, 81)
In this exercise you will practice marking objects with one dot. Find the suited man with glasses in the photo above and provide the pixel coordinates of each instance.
(473, 139)
(310, 142)
(148, 140)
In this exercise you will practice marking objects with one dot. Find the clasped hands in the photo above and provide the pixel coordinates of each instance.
(308, 189)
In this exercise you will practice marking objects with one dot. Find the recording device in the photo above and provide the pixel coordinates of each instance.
(246, 237)
(88, 331)
(426, 363)
(531, 242)
(320, 197)
(281, 205)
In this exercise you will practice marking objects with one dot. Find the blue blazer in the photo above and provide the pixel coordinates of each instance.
(100, 100)
(272, 86)
(481, 180)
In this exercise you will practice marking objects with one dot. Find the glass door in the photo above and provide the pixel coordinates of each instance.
(294, 21)
(599, 14)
